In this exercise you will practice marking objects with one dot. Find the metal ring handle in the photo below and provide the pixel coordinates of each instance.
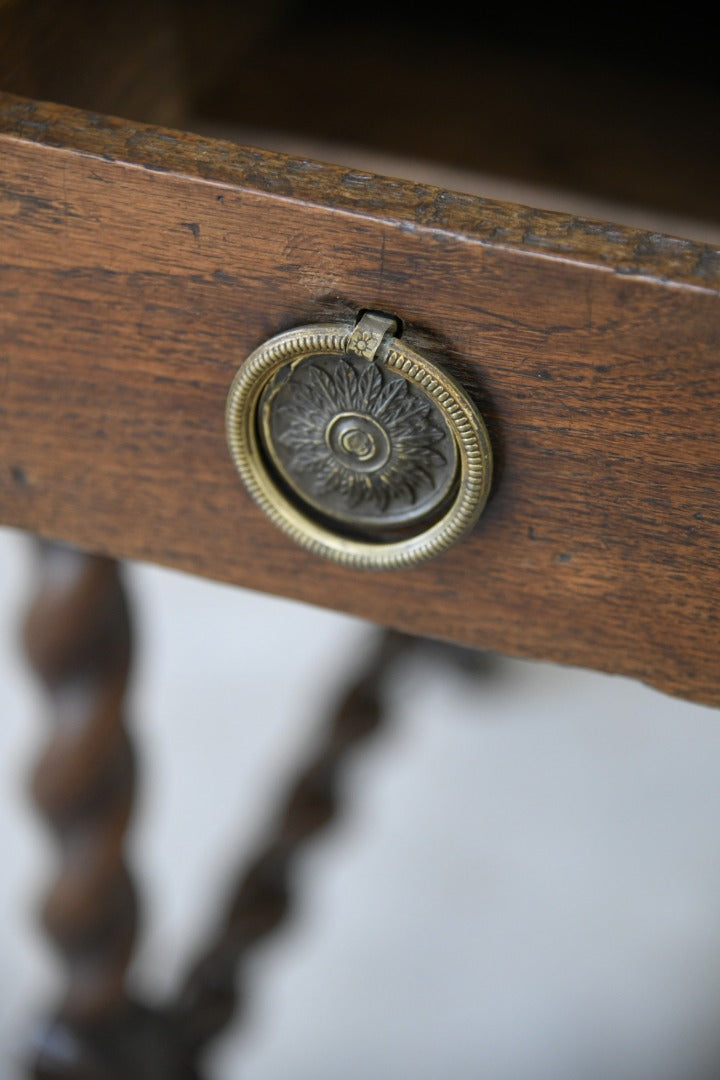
(357, 447)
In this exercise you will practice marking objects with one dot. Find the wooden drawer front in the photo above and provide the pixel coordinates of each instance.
(138, 268)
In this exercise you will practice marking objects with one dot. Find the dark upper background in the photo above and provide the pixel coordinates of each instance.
(623, 107)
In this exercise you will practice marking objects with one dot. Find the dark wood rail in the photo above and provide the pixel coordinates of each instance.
(139, 266)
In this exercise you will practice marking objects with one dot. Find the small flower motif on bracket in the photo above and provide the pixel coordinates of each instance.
(365, 343)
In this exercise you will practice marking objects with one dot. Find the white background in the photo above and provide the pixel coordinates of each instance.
(525, 884)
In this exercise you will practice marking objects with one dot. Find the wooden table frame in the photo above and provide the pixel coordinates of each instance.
(139, 266)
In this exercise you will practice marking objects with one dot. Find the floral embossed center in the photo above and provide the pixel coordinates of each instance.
(359, 442)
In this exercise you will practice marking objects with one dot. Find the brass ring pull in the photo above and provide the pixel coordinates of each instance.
(356, 446)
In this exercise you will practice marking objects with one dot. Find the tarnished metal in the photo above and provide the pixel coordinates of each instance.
(358, 443)
(361, 449)
(370, 333)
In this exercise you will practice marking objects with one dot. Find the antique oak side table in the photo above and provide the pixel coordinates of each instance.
(141, 265)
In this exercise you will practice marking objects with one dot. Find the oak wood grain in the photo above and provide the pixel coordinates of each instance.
(138, 267)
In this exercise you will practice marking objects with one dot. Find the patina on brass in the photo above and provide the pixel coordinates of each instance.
(358, 443)
(356, 446)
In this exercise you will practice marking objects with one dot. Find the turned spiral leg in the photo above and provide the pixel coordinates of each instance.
(261, 897)
(77, 636)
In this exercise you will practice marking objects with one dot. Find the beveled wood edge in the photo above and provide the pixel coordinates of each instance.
(541, 233)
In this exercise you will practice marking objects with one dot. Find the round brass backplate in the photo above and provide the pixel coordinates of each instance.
(356, 446)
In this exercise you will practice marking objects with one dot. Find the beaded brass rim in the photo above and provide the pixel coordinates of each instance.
(351, 539)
